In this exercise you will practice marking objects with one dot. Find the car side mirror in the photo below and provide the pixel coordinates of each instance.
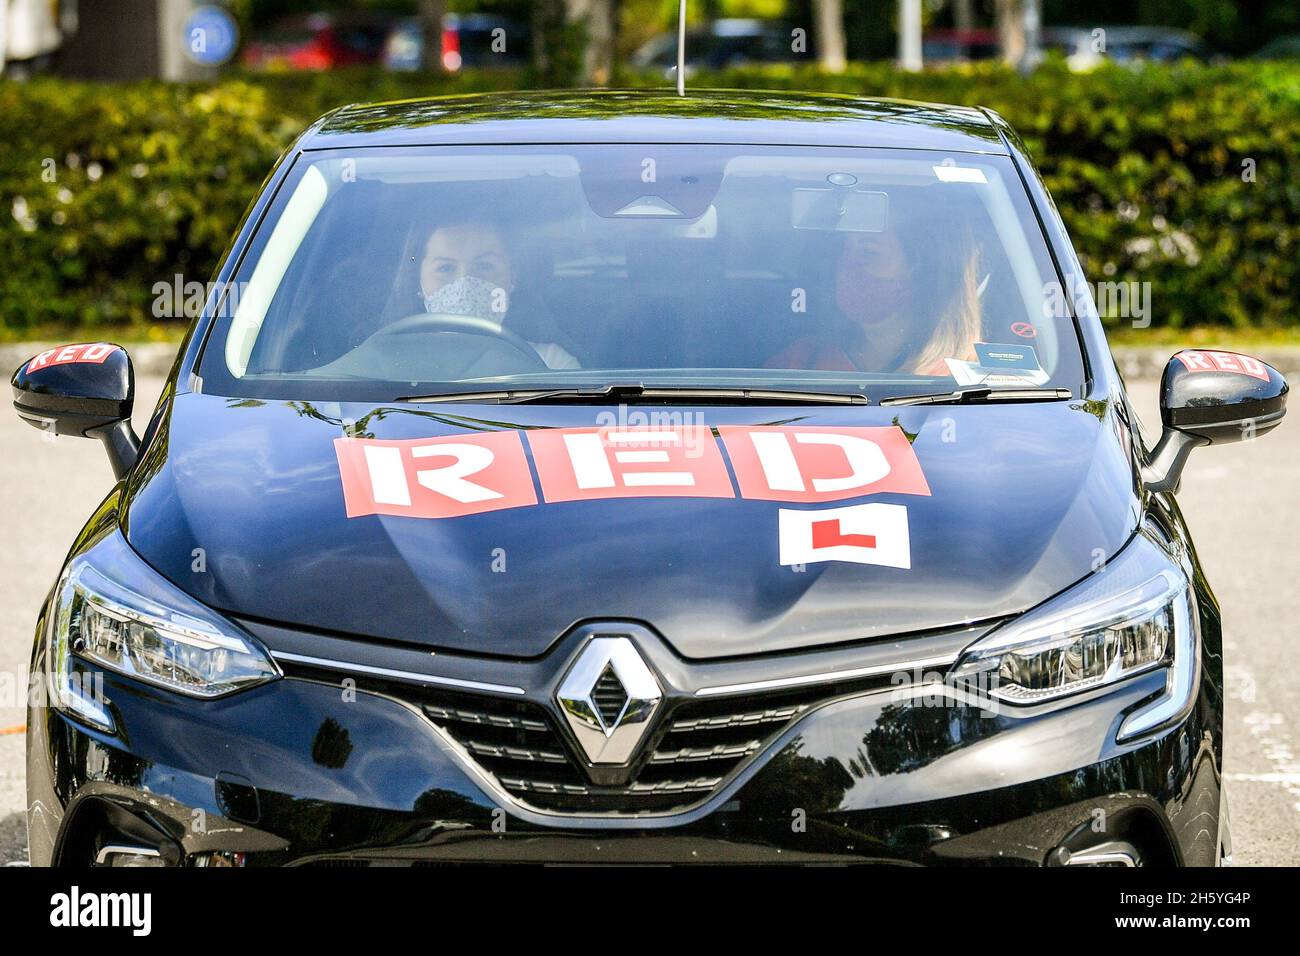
(1211, 398)
(85, 390)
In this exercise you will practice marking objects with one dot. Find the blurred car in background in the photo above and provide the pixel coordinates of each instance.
(320, 41)
(959, 46)
(468, 39)
(1088, 48)
(1286, 47)
(722, 44)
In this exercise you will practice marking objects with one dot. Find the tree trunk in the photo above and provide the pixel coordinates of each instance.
(1011, 30)
(431, 13)
(828, 26)
(963, 14)
(909, 35)
(598, 23)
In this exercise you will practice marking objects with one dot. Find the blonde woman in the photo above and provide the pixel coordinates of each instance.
(904, 300)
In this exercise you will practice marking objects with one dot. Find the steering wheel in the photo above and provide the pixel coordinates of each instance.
(465, 325)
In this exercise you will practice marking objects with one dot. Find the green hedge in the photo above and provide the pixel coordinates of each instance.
(107, 190)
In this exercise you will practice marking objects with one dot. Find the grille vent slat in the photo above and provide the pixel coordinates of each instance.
(716, 752)
(745, 719)
(461, 715)
(480, 749)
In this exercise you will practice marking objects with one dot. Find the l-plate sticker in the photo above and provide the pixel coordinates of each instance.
(861, 534)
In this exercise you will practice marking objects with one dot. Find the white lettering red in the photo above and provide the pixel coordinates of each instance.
(578, 464)
(1207, 360)
(822, 464)
(434, 477)
(92, 352)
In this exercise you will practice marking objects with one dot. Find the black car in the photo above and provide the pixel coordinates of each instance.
(726, 44)
(621, 477)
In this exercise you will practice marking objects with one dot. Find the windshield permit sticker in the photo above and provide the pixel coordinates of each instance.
(861, 534)
(822, 464)
(973, 373)
(434, 477)
(578, 464)
(1209, 360)
(1021, 357)
(94, 353)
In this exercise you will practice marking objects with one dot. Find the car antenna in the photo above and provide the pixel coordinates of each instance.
(681, 47)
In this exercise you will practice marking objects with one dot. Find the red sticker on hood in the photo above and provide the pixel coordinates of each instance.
(678, 461)
(822, 464)
(434, 477)
(460, 475)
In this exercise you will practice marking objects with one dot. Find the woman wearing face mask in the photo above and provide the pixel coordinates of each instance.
(467, 270)
(901, 306)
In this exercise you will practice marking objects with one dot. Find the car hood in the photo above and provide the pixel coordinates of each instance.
(240, 503)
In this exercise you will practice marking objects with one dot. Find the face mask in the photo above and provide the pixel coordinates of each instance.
(469, 295)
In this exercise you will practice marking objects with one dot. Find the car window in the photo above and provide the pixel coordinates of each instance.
(406, 271)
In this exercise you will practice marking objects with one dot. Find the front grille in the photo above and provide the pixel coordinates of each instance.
(696, 748)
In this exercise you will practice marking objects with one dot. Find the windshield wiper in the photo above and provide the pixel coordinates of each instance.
(981, 393)
(636, 390)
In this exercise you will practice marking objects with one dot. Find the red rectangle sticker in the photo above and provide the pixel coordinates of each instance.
(677, 461)
(434, 477)
(822, 464)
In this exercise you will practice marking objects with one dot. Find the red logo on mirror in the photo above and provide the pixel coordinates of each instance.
(93, 352)
(1208, 360)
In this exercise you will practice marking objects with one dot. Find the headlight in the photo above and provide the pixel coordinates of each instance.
(1131, 617)
(117, 612)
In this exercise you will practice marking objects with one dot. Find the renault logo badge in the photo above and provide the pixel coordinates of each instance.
(609, 698)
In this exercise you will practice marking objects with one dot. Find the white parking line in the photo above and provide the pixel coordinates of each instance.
(1269, 732)
(1286, 778)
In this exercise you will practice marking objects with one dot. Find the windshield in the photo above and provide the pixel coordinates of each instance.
(390, 273)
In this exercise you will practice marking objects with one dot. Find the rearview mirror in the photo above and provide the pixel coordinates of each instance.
(85, 390)
(1210, 397)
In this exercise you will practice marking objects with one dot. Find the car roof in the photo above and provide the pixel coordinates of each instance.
(748, 117)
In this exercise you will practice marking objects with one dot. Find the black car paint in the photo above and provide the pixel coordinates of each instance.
(306, 777)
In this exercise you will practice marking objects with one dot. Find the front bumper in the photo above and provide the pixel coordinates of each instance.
(306, 772)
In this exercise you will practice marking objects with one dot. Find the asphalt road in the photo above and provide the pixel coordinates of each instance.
(1239, 502)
